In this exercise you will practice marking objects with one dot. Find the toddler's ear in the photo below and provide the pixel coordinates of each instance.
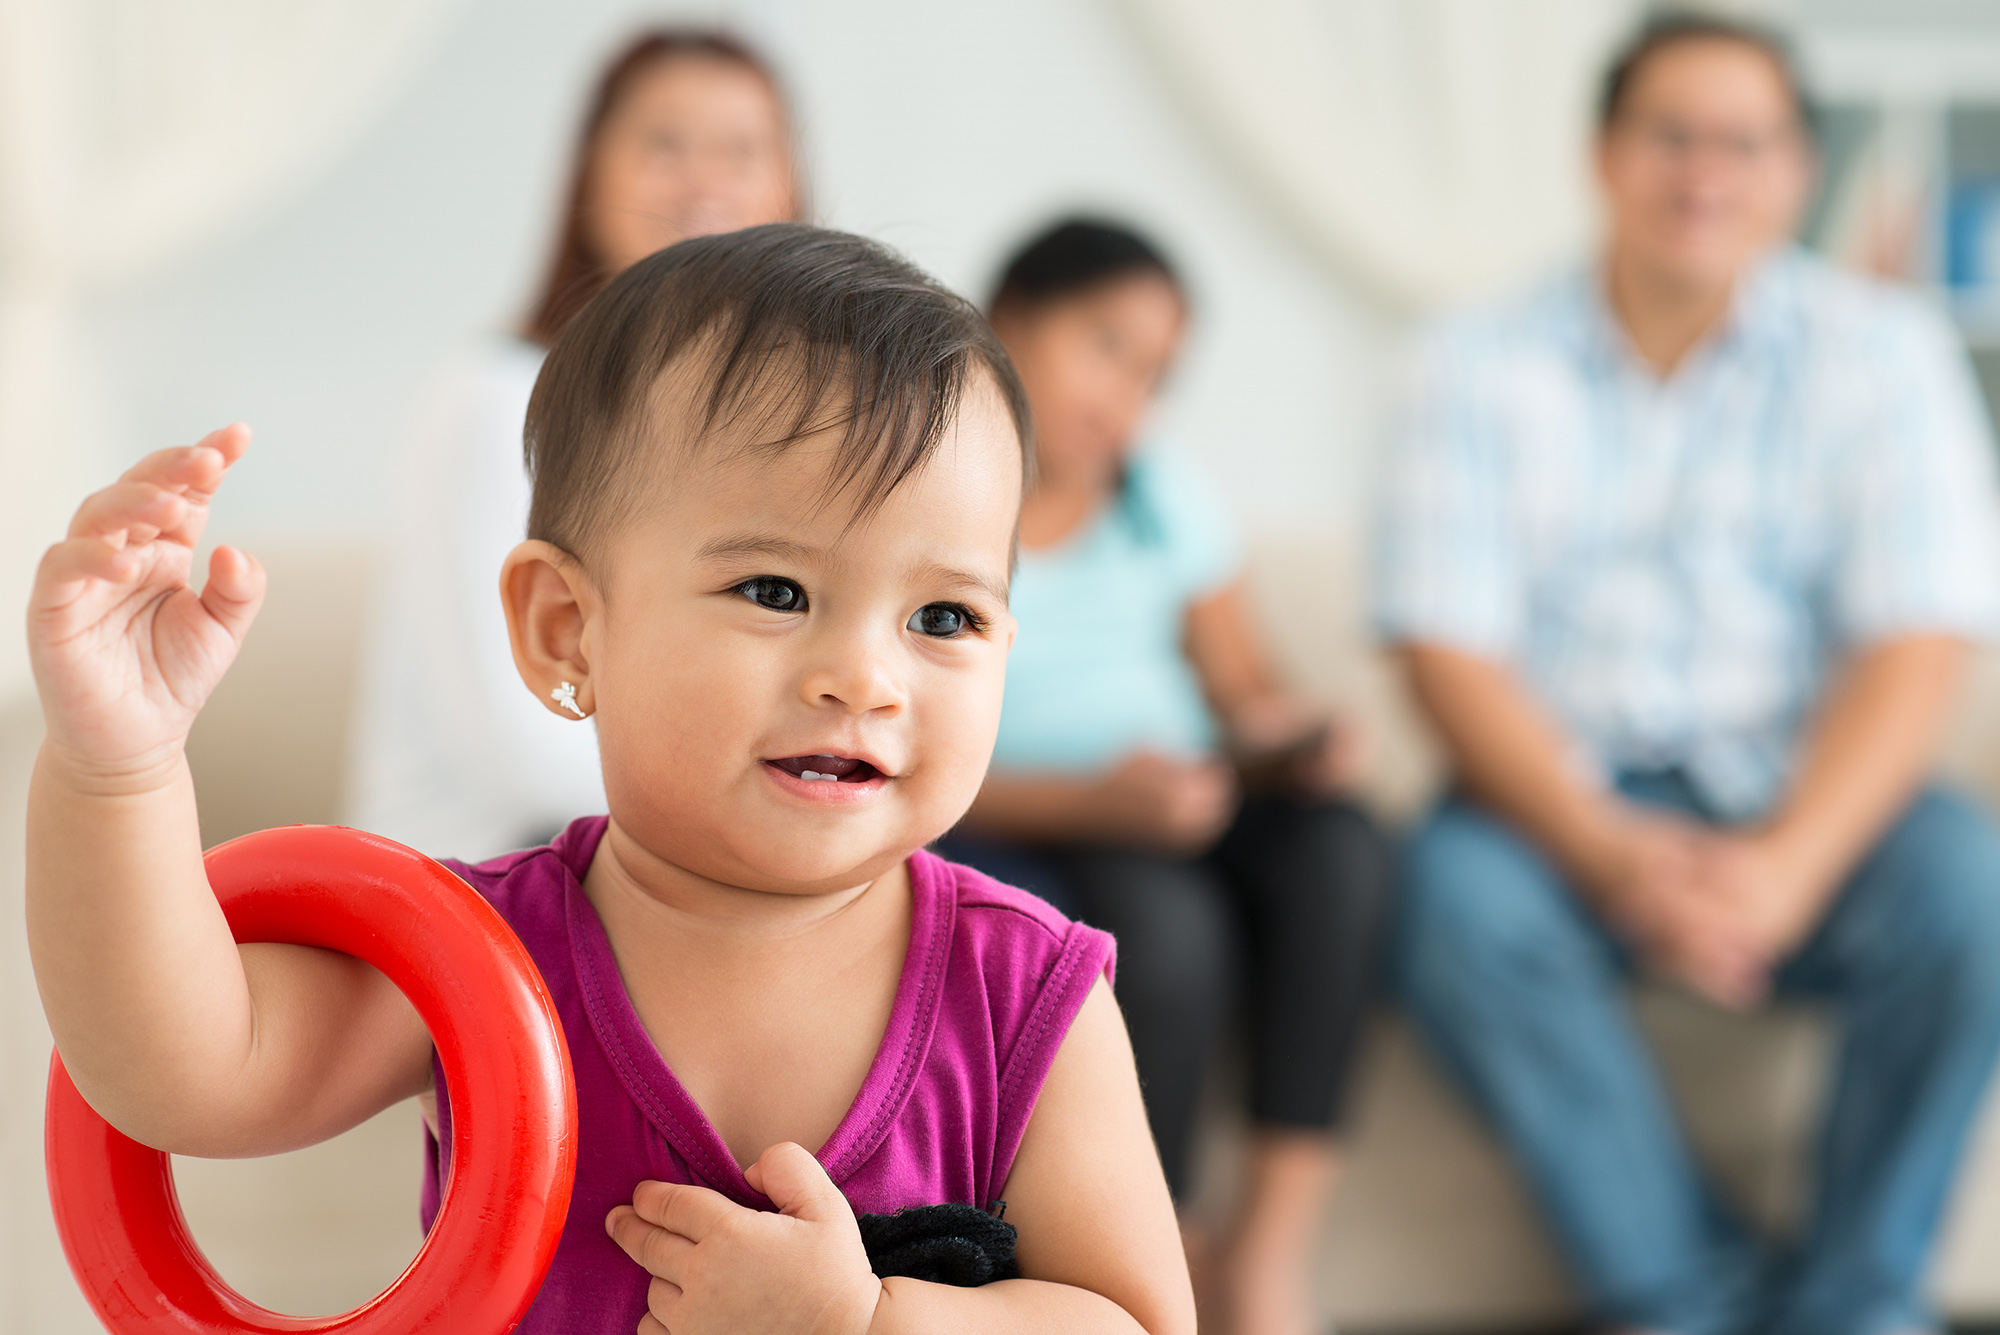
(550, 604)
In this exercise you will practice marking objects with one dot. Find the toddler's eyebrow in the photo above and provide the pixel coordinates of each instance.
(953, 577)
(742, 545)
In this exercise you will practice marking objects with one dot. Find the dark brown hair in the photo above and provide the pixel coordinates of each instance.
(1671, 28)
(788, 330)
(1072, 256)
(576, 271)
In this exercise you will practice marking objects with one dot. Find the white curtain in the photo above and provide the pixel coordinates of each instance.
(133, 132)
(1426, 149)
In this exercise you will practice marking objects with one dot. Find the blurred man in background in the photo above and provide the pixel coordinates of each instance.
(1683, 553)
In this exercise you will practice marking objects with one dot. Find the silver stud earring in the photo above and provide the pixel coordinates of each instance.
(565, 695)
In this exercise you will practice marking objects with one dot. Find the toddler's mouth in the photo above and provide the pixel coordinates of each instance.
(827, 769)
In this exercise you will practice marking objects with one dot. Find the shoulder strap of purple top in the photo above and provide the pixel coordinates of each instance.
(1087, 954)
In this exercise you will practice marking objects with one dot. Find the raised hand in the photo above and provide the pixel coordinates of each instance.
(719, 1268)
(125, 652)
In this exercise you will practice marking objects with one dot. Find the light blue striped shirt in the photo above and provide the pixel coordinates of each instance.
(1674, 566)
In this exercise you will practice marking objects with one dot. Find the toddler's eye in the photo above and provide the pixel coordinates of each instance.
(945, 621)
(780, 595)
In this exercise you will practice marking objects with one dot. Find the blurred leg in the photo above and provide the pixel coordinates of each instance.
(1521, 993)
(1312, 888)
(1311, 885)
(1176, 948)
(1911, 954)
(1265, 1280)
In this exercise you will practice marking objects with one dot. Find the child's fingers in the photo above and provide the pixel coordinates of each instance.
(129, 513)
(692, 1212)
(230, 440)
(208, 457)
(235, 589)
(798, 1185)
(208, 463)
(663, 1300)
(195, 471)
(76, 561)
(661, 1252)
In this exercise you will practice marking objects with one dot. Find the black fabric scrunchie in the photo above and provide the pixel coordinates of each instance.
(945, 1244)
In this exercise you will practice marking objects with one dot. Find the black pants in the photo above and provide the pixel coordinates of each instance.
(1280, 923)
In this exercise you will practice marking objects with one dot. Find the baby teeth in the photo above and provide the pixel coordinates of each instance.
(814, 774)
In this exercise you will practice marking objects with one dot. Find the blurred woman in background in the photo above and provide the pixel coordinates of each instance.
(1154, 775)
(688, 133)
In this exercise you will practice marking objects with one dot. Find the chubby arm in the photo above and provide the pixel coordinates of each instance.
(176, 1036)
(1099, 1249)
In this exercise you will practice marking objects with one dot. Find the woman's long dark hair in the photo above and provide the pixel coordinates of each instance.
(577, 273)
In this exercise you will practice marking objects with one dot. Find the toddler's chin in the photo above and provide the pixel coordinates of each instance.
(816, 857)
(749, 837)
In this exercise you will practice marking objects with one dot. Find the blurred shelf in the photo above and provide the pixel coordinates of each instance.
(1977, 317)
(1884, 65)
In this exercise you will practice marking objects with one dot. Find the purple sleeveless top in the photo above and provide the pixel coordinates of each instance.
(990, 984)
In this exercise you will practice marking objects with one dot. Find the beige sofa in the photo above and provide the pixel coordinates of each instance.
(1431, 1232)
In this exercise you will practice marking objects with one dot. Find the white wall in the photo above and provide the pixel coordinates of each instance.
(946, 129)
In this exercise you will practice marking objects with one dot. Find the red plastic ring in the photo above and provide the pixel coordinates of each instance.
(498, 1038)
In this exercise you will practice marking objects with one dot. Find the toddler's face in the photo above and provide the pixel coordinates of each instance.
(790, 699)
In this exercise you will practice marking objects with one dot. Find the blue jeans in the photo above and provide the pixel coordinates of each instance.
(1521, 992)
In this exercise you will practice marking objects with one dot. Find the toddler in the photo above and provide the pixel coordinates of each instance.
(776, 480)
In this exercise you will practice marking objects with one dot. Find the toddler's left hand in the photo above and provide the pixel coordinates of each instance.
(718, 1267)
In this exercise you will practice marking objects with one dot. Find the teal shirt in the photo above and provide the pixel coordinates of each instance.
(1097, 669)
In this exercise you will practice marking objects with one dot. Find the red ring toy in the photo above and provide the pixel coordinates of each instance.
(513, 1105)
